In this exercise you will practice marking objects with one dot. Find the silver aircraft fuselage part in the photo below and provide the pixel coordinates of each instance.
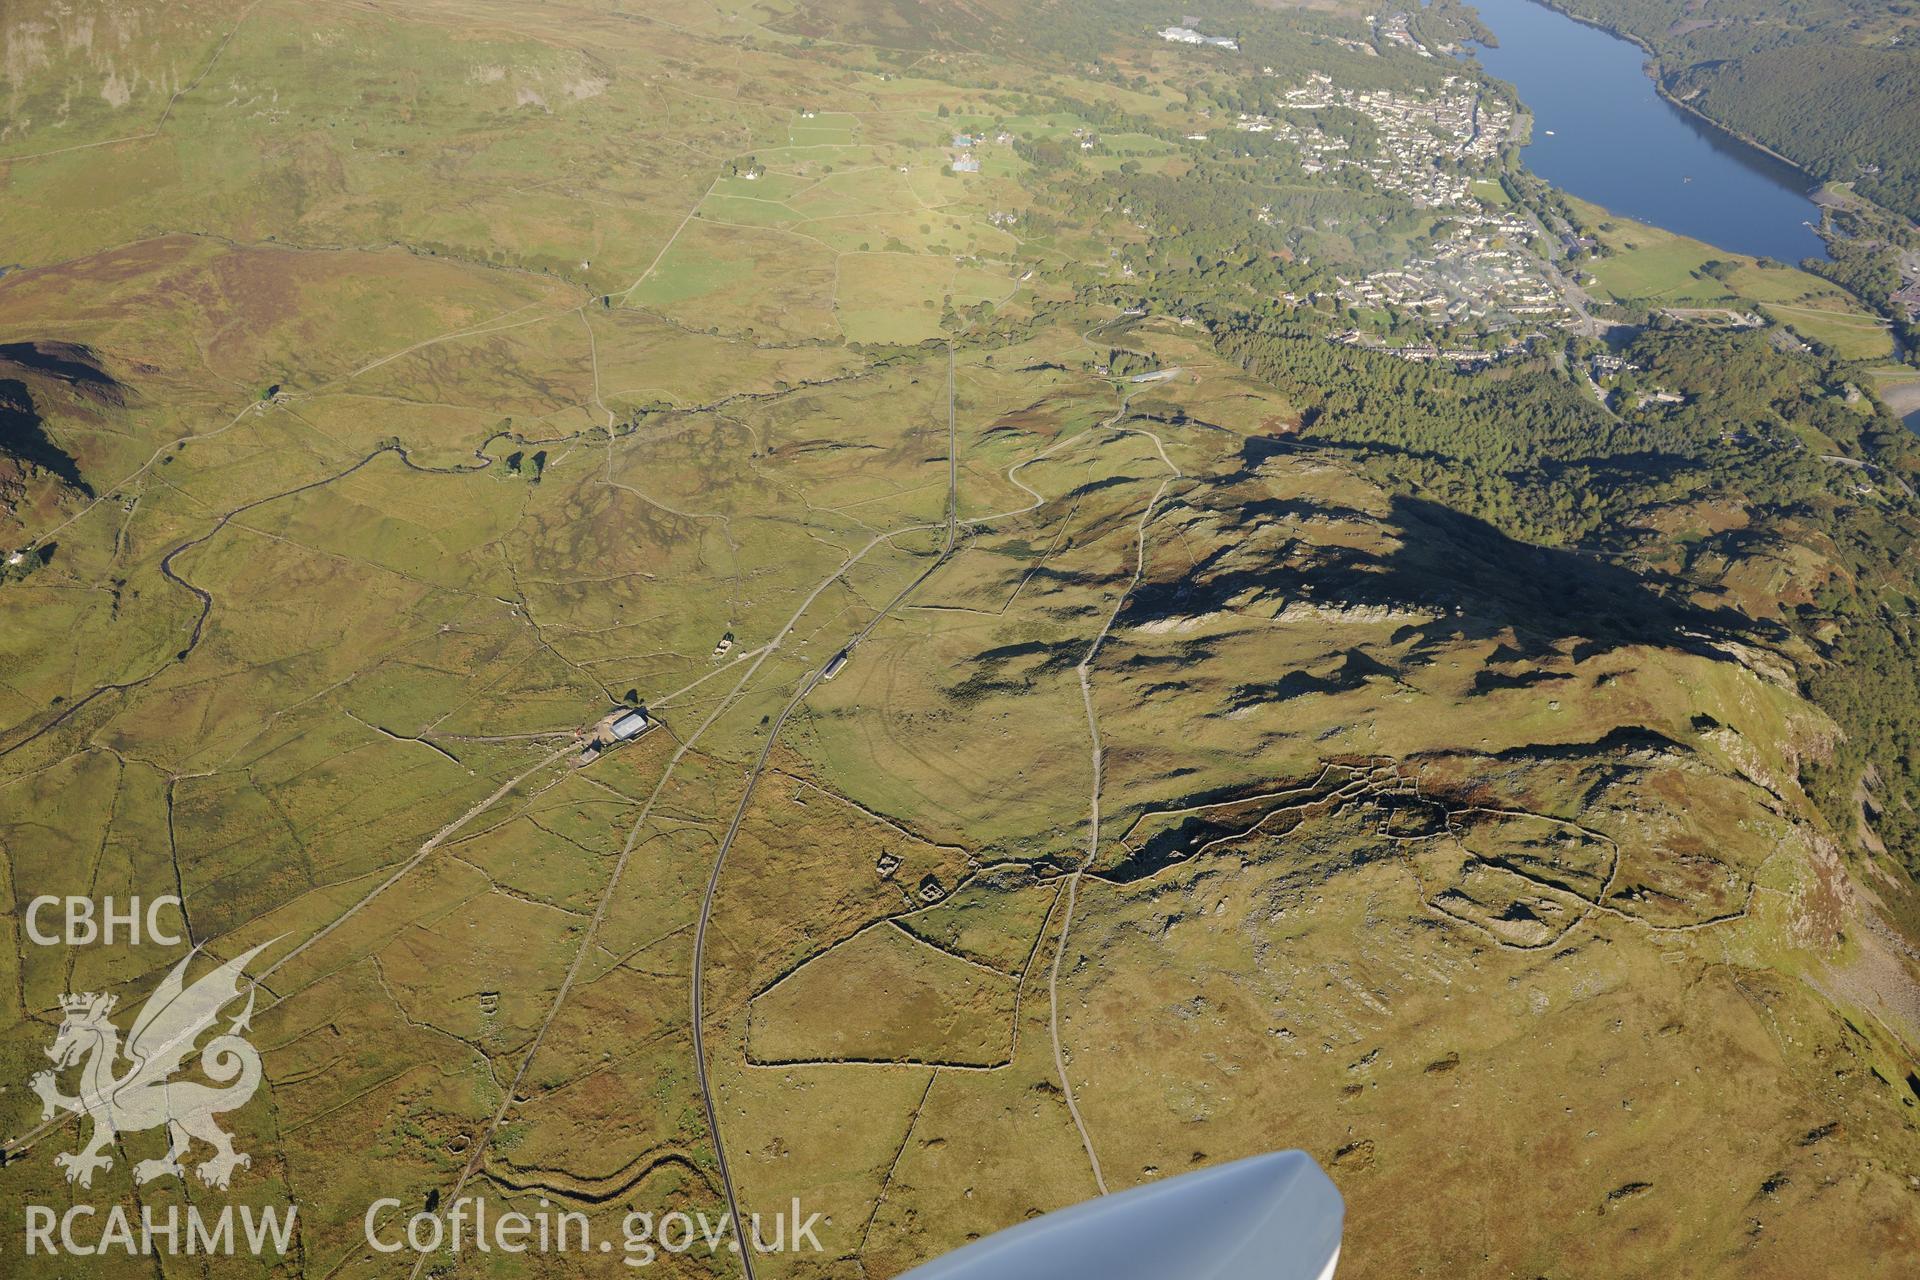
(1270, 1217)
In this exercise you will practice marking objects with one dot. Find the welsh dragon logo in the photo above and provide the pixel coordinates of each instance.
(144, 1095)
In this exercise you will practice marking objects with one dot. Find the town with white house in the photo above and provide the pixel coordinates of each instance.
(1479, 269)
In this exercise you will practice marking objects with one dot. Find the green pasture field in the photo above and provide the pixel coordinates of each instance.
(1657, 268)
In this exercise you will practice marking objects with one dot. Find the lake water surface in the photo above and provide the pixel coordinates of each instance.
(1601, 132)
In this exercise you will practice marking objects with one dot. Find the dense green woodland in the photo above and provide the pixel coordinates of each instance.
(1834, 86)
(1844, 114)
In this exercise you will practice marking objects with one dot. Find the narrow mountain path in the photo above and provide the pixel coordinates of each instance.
(1084, 672)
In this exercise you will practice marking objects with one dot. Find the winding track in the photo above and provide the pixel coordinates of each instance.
(484, 1140)
(952, 524)
(746, 795)
(1083, 671)
(204, 596)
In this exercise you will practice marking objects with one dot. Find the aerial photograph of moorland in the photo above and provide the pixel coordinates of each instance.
(1070, 639)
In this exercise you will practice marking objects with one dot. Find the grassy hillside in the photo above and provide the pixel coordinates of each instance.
(1238, 737)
